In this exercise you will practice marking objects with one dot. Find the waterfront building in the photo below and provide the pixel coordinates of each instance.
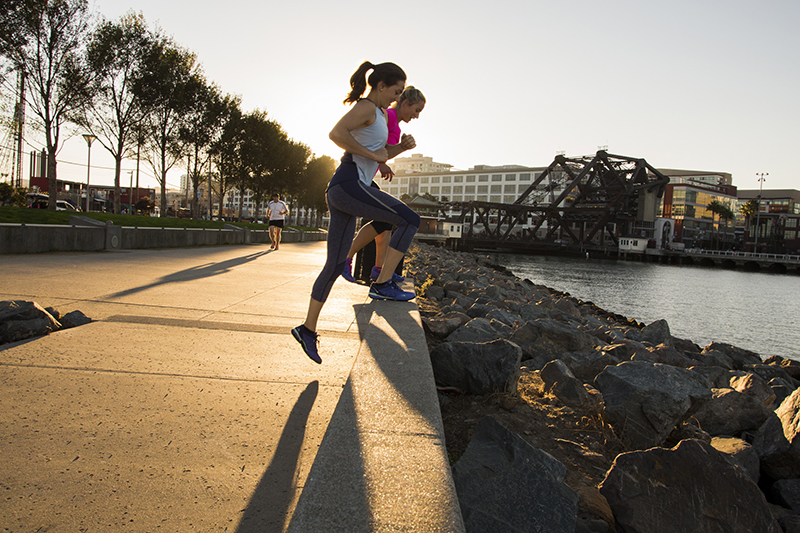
(777, 222)
(417, 163)
(696, 226)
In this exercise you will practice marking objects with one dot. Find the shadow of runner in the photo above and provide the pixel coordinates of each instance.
(273, 496)
(335, 497)
(190, 274)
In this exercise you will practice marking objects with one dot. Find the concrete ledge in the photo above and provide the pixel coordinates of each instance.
(383, 465)
(86, 235)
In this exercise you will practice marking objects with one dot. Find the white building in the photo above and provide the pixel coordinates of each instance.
(417, 163)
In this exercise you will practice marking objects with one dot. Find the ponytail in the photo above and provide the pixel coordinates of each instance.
(388, 73)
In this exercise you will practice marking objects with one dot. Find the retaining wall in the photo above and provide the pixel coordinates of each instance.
(86, 235)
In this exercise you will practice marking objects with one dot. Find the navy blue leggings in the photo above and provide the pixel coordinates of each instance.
(348, 198)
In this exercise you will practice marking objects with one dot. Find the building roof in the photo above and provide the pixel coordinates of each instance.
(747, 194)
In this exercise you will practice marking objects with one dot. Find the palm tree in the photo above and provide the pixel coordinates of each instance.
(748, 211)
(716, 207)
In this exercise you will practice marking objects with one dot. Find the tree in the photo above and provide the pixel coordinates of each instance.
(116, 54)
(43, 39)
(205, 119)
(715, 207)
(225, 150)
(10, 195)
(145, 205)
(748, 210)
(169, 84)
(314, 183)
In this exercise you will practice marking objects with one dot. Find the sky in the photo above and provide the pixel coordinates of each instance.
(700, 84)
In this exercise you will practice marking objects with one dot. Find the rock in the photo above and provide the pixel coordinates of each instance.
(545, 340)
(688, 429)
(689, 488)
(767, 372)
(536, 311)
(786, 492)
(586, 365)
(476, 330)
(738, 356)
(434, 292)
(778, 460)
(657, 333)
(715, 358)
(21, 320)
(663, 353)
(791, 367)
(741, 454)
(730, 413)
(755, 386)
(689, 348)
(790, 523)
(478, 368)
(559, 381)
(781, 388)
(444, 324)
(74, 319)
(566, 306)
(716, 377)
(506, 317)
(645, 401)
(478, 310)
(506, 485)
(584, 525)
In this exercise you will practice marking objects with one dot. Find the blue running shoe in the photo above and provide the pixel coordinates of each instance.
(376, 271)
(348, 270)
(308, 340)
(389, 291)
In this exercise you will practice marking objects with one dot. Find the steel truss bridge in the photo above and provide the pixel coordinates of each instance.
(601, 198)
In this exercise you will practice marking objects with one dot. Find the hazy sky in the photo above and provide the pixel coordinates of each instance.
(699, 84)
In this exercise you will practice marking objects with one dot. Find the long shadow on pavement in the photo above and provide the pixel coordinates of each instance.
(194, 273)
(273, 496)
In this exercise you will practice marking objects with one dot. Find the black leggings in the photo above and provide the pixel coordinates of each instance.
(348, 198)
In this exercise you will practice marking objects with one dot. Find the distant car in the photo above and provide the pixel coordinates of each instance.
(63, 205)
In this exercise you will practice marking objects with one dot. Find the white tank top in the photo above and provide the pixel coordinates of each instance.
(371, 137)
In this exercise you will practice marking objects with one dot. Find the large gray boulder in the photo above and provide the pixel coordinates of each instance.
(478, 368)
(691, 488)
(559, 380)
(506, 485)
(778, 441)
(657, 333)
(740, 453)
(729, 412)
(546, 340)
(444, 324)
(645, 401)
(739, 357)
(476, 330)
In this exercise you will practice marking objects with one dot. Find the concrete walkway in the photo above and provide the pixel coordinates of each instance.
(187, 405)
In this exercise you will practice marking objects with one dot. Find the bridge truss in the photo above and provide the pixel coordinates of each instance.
(602, 197)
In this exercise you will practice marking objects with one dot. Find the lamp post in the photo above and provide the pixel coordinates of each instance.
(89, 139)
(761, 178)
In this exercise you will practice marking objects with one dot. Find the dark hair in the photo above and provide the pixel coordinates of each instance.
(388, 73)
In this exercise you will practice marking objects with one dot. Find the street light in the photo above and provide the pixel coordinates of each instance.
(761, 179)
(89, 139)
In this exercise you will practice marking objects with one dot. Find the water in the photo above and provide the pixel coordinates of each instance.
(752, 310)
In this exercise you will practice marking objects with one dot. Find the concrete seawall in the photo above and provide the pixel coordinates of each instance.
(87, 235)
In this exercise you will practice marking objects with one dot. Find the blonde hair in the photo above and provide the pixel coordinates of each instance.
(412, 94)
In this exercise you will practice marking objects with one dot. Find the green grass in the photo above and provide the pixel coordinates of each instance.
(24, 215)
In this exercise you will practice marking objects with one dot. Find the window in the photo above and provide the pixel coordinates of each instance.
(458, 189)
(434, 190)
(791, 223)
(445, 179)
(423, 190)
(496, 189)
(482, 198)
(495, 199)
(483, 177)
(789, 234)
(435, 179)
(497, 177)
(525, 177)
(446, 189)
(483, 189)
(470, 179)
(510, 188)
(511, 177)
(469, 189)
(458, 179)
(424, 180)
(509, 199)
(458, 199)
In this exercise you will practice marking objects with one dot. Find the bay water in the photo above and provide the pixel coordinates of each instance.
(753, 310)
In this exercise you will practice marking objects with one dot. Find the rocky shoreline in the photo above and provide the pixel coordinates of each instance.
(561, 416)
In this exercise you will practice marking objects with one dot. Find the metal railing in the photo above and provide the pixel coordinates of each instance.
(745, 255)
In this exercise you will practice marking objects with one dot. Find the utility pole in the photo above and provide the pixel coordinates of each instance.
(761, 178)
